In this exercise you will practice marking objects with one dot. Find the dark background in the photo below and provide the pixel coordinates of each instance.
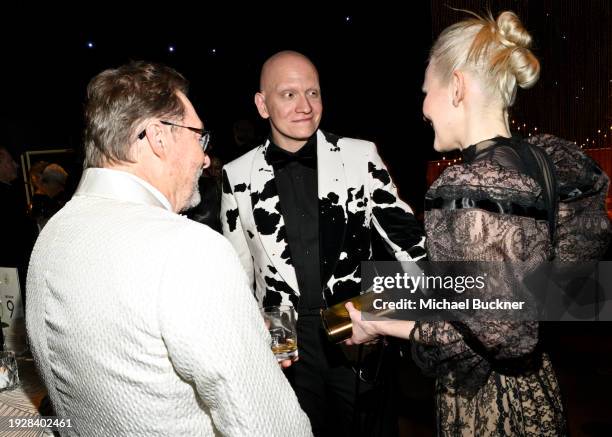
(371, 67)
(371, 61)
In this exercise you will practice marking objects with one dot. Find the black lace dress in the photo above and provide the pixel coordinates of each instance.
(491, 377)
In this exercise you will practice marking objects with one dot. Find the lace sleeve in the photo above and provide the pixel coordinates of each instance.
(441, 352)
(467, 351)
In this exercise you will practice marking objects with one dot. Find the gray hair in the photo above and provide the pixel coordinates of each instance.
(119, 100)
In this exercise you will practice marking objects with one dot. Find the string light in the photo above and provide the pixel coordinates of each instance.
(597, 140)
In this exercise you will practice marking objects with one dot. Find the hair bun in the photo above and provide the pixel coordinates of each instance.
(512, 31)
(515, 37)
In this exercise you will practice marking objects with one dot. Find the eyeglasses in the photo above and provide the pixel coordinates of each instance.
(204, 134)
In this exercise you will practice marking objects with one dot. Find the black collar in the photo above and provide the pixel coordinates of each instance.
(471, 153)
(307, 155)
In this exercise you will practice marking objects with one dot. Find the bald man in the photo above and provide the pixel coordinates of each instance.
(299, 210)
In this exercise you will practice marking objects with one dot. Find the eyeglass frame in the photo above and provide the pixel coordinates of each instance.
(204, 139)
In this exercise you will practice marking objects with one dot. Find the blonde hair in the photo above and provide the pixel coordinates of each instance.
(496, 50)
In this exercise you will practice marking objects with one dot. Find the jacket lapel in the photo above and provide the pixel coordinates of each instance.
(332, 202)
(268, 217)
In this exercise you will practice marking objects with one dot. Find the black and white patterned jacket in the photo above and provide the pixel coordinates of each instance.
(356, 193)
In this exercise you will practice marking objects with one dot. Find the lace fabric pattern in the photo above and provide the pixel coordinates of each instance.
(492, 380)
(582, 188)
(486, 179)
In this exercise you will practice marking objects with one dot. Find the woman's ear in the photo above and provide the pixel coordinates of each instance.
(458, 87)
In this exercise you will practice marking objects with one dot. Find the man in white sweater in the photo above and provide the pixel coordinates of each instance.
(141, 321)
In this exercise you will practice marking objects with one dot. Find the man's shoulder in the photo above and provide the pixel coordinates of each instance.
(176, 228)
(130, 218)
(112, 225)
(243, 162)
(191, 233)
(346, 142)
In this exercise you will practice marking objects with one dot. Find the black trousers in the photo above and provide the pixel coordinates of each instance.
(337, 402)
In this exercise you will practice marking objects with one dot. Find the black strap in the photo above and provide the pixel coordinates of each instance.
(510, 208)
(542, 170)
(539, 166)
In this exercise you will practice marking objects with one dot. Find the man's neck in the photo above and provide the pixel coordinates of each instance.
(292, 146)
(149, 177)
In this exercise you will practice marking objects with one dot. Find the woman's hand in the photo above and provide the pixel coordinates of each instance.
(368, 330)
(363, 330)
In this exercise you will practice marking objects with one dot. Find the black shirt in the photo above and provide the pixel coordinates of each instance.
(295, 175)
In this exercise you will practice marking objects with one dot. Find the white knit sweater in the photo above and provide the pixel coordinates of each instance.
(142, 322)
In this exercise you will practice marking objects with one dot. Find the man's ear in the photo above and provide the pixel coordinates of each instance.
(155, 136)
(260, 102)
(458, 87)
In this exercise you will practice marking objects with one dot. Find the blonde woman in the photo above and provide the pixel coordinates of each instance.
(492, 379)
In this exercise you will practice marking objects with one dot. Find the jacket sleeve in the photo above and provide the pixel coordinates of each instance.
(232, 227)
(217, 341)
(392, 218)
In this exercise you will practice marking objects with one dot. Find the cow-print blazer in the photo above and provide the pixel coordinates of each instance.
(356, 193)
